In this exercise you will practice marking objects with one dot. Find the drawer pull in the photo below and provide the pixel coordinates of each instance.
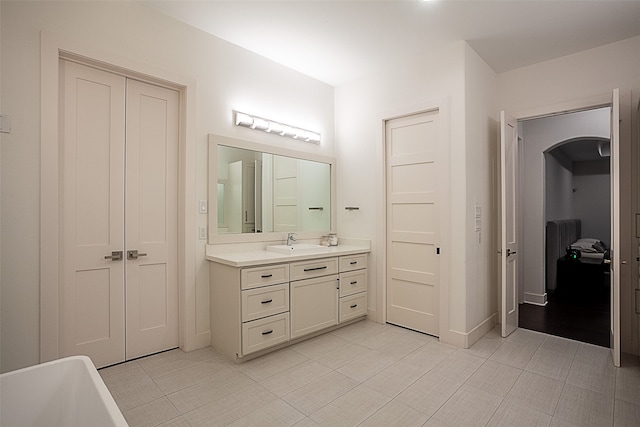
(266, 276)
(270, 331)
(315, 268)
(266, 301)
(354, 283)
(353, 262)
(354, 305)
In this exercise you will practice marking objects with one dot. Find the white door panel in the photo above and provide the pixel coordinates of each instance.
(92, 290)
(615, 228)
(509, 223)
(115, 309)
(413, 222)
(152, 218)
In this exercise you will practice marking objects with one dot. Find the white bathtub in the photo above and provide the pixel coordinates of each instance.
(64, 392)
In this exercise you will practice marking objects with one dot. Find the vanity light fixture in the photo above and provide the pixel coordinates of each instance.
(269, 126)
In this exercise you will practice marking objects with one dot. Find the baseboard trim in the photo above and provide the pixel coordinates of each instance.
(535, 299)
(479, 331)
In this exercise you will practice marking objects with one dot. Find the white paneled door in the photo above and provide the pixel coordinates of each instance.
(509, 223)
(119, 293)
(413, 264)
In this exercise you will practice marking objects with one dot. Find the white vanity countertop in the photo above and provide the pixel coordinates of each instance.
(263, 257)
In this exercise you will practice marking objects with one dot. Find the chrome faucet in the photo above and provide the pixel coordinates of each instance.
(291, 237)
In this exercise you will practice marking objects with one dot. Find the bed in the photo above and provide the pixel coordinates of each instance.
(563, 234)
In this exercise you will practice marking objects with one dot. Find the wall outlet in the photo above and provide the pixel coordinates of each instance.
(202, 233)
(202, 206)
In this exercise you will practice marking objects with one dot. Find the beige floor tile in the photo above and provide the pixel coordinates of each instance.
(495, 378)
(132, 388)
(294, 378)
(271, 364)
(626, 414)
(319, 345)
(469, 406)
(593, 369)
(363, 368)
(584, 407)
(231, 407)
(306, 422)
(193, 375)
(273, 414)
(514, 353)
(401, 346)
(318, 393)
(429, 355)
(561, 346)
(214, 388)
(628, 384)
(151, 414)
(351, 408)
(378, 339)
(527, 337)
(132, 366)
(511, 414)
(395, 414)
(429, 393)
(356, 331)
(549, 364)
(488, 344)
(176, 422)
(536, 392)
(394, 379)
(459, 366)
(175, 360)
(342, 355)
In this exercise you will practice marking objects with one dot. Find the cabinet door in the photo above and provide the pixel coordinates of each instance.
(314, 304)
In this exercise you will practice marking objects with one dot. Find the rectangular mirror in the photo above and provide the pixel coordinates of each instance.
(263, 190)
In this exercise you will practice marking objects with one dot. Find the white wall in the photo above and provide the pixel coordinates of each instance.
(227, 77)
(558, 185)
(564, 80)
(591, 203)
(456, 78)
(538, 136)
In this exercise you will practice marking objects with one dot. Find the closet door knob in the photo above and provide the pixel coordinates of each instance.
(133, 255)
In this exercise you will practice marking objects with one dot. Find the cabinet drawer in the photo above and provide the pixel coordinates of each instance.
(314, 268)
(353, 262)
(263, 276)
(265, 301)
(264, 333)
(353, 282)
(353, 306)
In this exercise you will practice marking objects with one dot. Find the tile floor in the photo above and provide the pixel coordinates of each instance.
(370, 374)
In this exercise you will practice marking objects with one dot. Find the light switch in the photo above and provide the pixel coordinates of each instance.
(478, 211)
(5, 123)
(203, 206)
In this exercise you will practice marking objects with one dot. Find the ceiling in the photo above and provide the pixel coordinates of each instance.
(340, 41)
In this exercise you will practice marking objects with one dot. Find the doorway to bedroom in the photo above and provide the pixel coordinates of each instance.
(566, 184)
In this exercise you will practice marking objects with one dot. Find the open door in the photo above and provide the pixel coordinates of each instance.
(615, 228)
(508, 229)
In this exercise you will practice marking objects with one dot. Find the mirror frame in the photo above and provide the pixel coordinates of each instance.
(216, 238)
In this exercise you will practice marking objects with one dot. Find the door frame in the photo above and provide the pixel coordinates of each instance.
(379, 312)
(583, 104)
(53, 48)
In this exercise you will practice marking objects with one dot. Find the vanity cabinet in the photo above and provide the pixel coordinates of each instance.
(255, 308)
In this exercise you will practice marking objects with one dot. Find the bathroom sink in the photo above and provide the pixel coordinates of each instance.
(298, 249)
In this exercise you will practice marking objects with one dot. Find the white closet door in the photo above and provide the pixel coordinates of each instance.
(413, 233)
(91, 311)
(151, 219)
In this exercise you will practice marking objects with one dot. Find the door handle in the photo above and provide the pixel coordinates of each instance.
(133, 255)
(510, 252)
(115, 256)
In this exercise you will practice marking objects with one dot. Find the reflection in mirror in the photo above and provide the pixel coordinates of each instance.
(260, 192)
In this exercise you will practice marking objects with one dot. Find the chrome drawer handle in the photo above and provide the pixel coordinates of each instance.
(354, 305)
(270, 331)
(266, 276)
(315, 268)
(267, 301)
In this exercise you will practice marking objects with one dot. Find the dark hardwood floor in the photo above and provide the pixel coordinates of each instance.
(579, 316)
